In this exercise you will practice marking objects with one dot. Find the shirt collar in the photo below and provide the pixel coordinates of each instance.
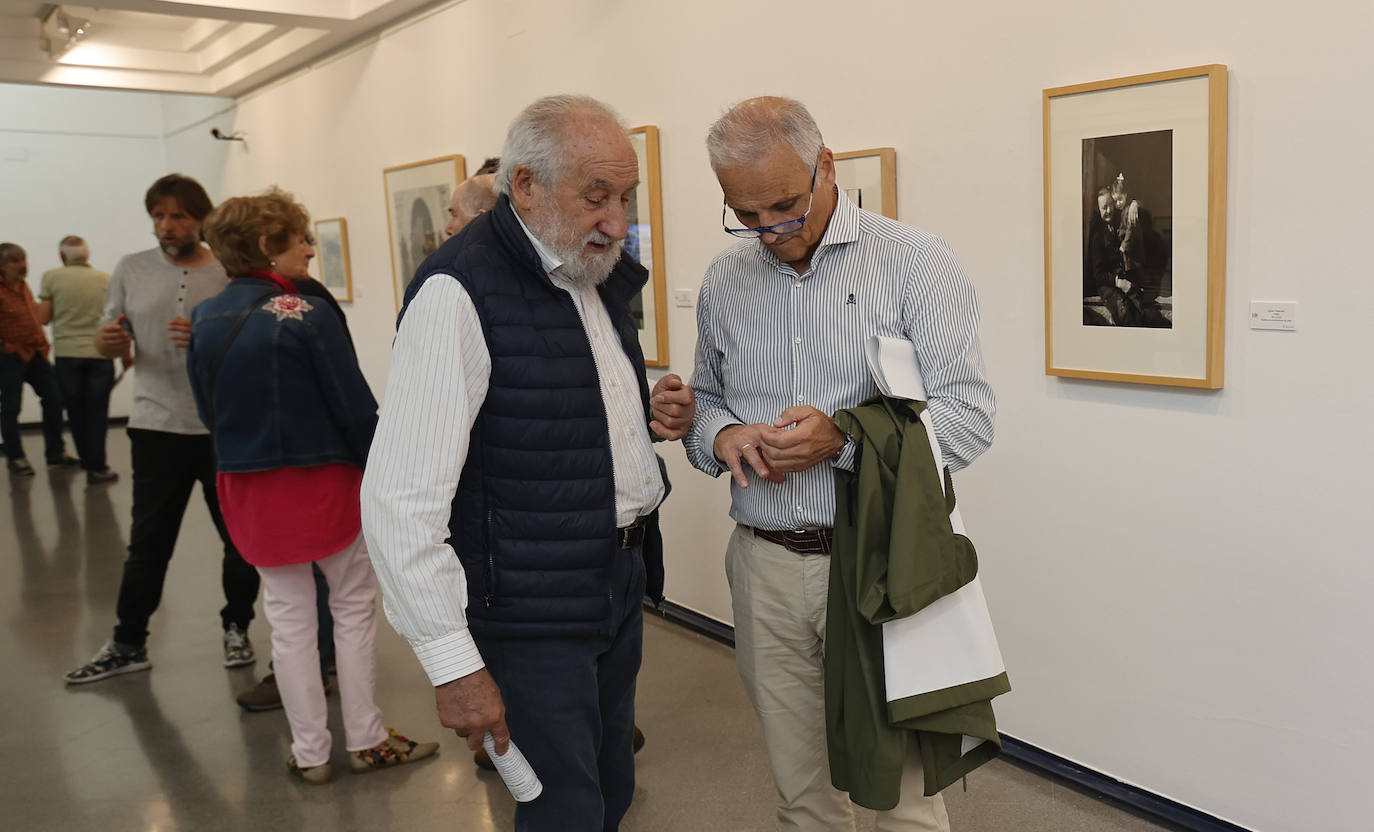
(843, 228)
(550, 260)
(275, 279)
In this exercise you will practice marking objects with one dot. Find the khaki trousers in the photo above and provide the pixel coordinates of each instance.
(779, 600)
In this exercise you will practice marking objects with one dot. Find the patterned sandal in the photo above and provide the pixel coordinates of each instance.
(395, 750)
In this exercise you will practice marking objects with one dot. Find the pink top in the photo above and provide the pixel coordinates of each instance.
(292, 515)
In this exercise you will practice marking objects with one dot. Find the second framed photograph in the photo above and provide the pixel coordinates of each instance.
(417, 198)
(869, 179)
(645, 244)
(1135, 228)
(331, 248)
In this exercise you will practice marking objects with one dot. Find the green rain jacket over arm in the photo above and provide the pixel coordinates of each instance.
(895, 552)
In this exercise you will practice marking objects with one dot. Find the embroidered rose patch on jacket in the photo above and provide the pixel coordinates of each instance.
(288, 306)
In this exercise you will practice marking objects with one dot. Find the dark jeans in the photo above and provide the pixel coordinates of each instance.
(86, 385)
(326, 634)
(15, 372)
(570, 706)
(166, 468)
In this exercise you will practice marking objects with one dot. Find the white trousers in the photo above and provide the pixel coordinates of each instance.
(779, 601)
(289, 601)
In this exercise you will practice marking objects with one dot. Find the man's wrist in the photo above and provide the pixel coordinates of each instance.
(844, 457)
(713, 431)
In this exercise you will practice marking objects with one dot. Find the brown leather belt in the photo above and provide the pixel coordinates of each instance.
(801, 541)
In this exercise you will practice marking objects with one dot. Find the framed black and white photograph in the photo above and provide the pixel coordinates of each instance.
(417, 199)
(331, 252)
(1128, 185)
(869, 179)
(645, 244)
(1135, 228)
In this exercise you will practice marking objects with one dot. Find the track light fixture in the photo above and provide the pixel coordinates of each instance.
(62, 30)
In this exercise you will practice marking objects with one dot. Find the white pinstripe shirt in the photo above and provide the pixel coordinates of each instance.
(769, 339)
(440, 372)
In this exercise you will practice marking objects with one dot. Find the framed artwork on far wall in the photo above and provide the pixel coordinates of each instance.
(417, 198)
(331, 249)
(869, 179)
(1135, 228)
(645, 244)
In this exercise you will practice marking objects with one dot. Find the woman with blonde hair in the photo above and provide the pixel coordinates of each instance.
(277, 382)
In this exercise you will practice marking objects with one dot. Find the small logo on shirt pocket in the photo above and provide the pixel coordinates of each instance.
(851, 301)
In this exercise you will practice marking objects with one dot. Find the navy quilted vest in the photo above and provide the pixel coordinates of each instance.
(533, 520)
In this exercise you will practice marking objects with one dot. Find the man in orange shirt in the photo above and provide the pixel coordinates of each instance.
(24, 358)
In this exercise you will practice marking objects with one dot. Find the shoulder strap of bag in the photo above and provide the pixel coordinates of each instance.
(224, 350)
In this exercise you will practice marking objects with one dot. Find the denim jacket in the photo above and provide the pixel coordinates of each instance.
(289, 392)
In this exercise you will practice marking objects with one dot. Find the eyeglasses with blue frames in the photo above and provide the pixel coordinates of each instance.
(780, 228)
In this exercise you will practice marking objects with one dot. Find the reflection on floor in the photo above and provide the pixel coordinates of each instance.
(169, 750)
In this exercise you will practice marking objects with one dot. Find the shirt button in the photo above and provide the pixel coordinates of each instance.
(796, 284)
(648, 480)
(799, 508)
(797, 340)
(629, 431)
(800, 397)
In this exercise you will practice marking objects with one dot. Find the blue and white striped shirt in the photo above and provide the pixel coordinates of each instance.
(769, 339)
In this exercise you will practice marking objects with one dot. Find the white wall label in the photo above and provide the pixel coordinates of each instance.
(1274, 314)
(683, 298)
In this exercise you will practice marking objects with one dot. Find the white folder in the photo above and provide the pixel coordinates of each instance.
(950, 642)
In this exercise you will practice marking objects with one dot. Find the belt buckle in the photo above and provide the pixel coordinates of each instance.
(632, 535)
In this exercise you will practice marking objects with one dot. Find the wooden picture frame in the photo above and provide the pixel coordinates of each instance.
(417, 199)
(646, 220)
(331, 250)
(1135, 228)
(859, 173)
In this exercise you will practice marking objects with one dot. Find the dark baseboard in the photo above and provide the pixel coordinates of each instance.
(1092, 782)
(694, 621)
(1097, 783)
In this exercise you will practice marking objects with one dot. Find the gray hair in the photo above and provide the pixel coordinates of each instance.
(475, 195)
(536, 137)
(74, 248)
(752, 128)
(11, 251)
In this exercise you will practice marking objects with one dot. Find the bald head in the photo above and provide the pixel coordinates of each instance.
(751, 130)
(473, 196)
(73, 249)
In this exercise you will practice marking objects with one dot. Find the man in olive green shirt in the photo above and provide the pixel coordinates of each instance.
(72, 298)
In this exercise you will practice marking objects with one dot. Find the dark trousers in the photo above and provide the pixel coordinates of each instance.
(15, 372)
(166, 469)
(86, 385)
(326, 631)
(570, 706)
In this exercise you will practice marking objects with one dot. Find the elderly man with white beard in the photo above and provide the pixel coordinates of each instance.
(511, 492)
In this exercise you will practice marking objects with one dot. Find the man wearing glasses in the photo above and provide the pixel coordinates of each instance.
(781, 320)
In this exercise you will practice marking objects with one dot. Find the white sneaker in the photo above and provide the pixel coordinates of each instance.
(238, 648)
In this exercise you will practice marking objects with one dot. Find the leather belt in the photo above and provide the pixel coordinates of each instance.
(800, 541)
(632, 535)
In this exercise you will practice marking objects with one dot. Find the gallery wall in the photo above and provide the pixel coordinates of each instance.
(1178, 577)
(78, 161)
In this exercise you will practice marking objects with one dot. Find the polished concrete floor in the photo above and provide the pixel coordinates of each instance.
(169, 749)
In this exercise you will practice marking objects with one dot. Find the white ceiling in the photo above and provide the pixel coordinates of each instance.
(209, 47)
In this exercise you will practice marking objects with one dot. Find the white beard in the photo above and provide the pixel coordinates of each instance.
(579, 268)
